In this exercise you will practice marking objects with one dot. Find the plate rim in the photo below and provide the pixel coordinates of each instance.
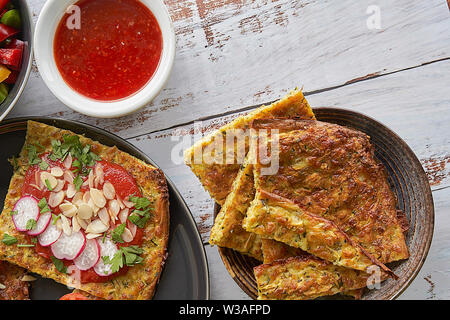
(423, 177)
(146, 158)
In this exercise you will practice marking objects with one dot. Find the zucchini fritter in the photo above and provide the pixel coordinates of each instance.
(330, 171)
(305, 277)
(217, 174)
(227, 230)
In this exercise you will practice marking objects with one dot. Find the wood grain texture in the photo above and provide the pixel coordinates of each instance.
(258, 50)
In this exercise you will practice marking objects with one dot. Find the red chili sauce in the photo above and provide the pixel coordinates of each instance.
(123, 183)
(114, 53)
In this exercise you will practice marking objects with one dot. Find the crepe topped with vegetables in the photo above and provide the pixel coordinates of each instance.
(85, 215)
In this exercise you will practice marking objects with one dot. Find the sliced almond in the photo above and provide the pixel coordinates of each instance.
(59, 224)
(83, 223)
(123, 215)
(128, 204)
(99, 173)
(78, 198)
(122, 206)
(68, 161)
(114, 208)
(51, 180)
(104, 216)
(71, 191)
(57, 172)
(68, 209)
(59, 186)
(132, 227)
(75, 225)
(93, 235)
(127, 236)
(66, 227)
(68, 176)
(93, 206)
(28, 278)
(2, 286)
(109, 191)
(96, 226)
(86, 197)
(56, 198)
(91, 179)
(98, 197)
(85, 211)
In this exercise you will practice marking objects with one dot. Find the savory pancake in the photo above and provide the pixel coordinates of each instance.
(275, 250)
(330, 171)
(139, 281)
(305, 277)
(278, 218)
(227, 230)
(11, 285)
(217, 169)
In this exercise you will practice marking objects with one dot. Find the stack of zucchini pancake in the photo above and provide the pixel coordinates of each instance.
(324, 222)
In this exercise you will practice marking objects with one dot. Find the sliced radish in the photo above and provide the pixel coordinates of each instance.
(69, 247)
(41, 225)
(90, 255)
(50, 235)
(107, 249)
(25, 209)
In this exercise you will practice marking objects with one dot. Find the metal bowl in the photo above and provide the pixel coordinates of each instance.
(26, 36)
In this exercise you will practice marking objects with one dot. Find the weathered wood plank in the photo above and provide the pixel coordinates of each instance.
(414, 107)
(234, 53)
(433, 280)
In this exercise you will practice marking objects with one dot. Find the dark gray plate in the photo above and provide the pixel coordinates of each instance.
(409, 183)
(185, 275)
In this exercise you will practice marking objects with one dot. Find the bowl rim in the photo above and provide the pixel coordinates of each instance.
(26, 8)
(48, 21)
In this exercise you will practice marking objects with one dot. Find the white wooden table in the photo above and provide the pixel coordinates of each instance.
(234, 54)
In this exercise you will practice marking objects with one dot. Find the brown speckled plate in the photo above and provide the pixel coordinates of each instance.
(408, 181)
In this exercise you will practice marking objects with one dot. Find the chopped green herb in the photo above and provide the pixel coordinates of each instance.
(129, 256)
(31, 224)
(13, 212)
(9, 240)
(59, 265)
(25, 245)
(117, 233)
(49, 186)
(33, 157)
(43, 206)
(55, 218)
(78, 182)
(43, 165)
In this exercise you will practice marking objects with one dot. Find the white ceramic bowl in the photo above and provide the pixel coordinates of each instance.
(48, 21)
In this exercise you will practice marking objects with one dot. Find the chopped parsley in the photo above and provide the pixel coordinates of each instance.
(59, 265)
(83, 156)
(43, 165)
(9, 240)
(128, 256)
(33, 157)
(31, 224)
(43, 206)
(141, 214)
(49, 186)
(78, 182)
(117, 233)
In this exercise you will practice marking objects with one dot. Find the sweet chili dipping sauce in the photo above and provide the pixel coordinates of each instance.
(114, 53)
